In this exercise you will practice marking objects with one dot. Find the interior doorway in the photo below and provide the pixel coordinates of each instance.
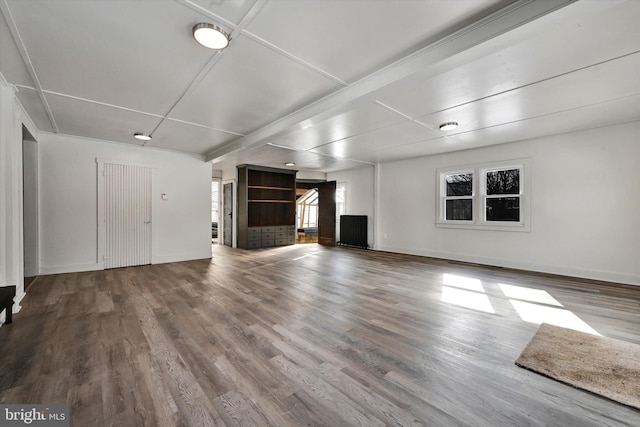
(215, 210)
(227, 212)
(316, 212)
(30, 207)
(307, 215)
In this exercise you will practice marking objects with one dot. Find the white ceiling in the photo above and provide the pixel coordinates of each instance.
(327, 84)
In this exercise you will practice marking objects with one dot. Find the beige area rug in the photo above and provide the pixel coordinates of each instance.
(605, 366)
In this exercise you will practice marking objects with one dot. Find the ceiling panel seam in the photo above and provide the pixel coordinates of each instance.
(91, 101)
(319, 154)
(566, 110)
(526, 85)
(203, 126)
(296, 59)
(496, 24)
(251, 13)
(26, 59)
(206, 12)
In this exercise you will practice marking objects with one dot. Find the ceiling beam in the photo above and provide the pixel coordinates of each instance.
(423, 61)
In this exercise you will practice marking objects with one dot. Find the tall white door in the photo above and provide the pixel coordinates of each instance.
(127, 209)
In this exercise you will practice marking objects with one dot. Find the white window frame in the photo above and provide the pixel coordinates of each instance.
(442, 211)
(343, 186)
(479, 198)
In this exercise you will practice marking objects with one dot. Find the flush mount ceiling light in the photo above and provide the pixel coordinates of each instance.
(289, 164)
(211, 36)
(142, 136)
(449, 126)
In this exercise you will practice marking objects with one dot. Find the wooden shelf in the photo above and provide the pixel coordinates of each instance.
(271, 188)
(266, 198)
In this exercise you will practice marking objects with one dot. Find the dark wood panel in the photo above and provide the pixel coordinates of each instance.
(266, 197)
(327, 213)
(301, 335)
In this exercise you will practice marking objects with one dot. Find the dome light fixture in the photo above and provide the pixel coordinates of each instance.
(449, 126)
(142, 136)
(289, 164)
(211, 36)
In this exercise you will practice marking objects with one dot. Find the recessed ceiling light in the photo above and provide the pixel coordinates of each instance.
(211, 36)
(289, 164)
(142, 136)
(449, 126)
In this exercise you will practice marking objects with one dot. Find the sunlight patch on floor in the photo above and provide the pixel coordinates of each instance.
(536, 313)
(528, 294)
(462, 282)
(469, 299)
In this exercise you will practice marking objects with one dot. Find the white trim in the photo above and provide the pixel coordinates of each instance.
(100, 160)
(584, 273)
(164, 259)
(234, 211)
(72, 268)
(479, 170)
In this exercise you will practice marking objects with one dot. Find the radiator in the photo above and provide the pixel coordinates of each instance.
(353, 230)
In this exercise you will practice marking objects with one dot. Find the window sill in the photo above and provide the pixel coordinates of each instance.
(518, 227)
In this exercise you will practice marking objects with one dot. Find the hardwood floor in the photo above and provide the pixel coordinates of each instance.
(303, 335)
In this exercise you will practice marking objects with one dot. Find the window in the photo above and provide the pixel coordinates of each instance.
(341, 200)
(501, 195)
(458, 203)
(307, 209)
(486, 196)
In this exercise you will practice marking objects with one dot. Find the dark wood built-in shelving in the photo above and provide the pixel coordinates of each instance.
(266, 206)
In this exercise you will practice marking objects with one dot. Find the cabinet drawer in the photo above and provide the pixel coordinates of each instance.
(254, 236)
(285, 242)
(268, 236)
(281, 228)
(290, 228)
(253, 244)
(254, 230)
(268, 243)
(268, 230)
(281, 235)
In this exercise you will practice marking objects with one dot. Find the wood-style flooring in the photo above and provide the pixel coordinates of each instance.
(303, 335)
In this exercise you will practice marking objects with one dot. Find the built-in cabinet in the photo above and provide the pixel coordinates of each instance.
(266, 214)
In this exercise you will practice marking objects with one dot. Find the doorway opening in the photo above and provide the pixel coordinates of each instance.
(227, 214)
(30, 207)
(215, 210)
(316, 212)
(307, 216)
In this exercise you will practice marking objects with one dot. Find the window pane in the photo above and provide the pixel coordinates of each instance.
(459, 210)
(503, 209)
(503, 182)
(341, 190)
(459, 184)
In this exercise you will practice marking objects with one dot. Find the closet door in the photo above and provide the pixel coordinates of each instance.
(127, 209)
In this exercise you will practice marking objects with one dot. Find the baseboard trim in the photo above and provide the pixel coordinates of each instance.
(76, 268)
(607, 276)
(164, 259)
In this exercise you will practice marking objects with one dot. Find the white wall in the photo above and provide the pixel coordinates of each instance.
(585, 207)
(68, 202)
(360, 196)
(30, 208)
(11, 252)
